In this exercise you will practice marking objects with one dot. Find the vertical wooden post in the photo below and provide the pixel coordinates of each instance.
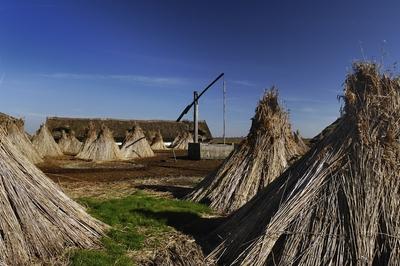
(224, 109)
(196, 117)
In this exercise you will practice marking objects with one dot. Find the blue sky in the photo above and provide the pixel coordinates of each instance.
(143, 59)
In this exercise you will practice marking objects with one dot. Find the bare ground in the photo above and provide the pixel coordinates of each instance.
(162, 174)
(165, 175)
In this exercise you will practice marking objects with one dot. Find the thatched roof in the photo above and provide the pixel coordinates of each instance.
(135, 145)
(269, 148)
(158, 142)
(169, 129)
(69, 144)
(37, 220)
(339, 204)
(101, 147)
(45, 144)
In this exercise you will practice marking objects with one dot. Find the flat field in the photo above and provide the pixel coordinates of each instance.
(140, 199)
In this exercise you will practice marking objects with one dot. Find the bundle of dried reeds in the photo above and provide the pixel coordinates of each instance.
(16, 134)
(266, 152)
(91, 135)
(158, 142)
(339, 204)
(299, 140)
(101, 147)
(45, 144)
(181, 142)
(180, 250)
(135, 145)
(69, 144)
(150, 135)
(175, 141)
(37, 220)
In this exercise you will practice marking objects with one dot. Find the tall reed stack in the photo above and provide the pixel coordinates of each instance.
(91, 135)
(181, 142)
(158, 142)
(135, 144)
(339, 204)
(101, 147)
(269, 148)
(16, 134)
(37, 220)
(69, 144)
(45, 144)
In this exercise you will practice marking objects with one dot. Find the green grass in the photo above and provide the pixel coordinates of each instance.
(133, 218)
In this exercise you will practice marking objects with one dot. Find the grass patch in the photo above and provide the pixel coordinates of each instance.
(133, 219)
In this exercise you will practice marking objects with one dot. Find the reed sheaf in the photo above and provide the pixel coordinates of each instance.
(180, 250)
(99, 147)
(69, 144)
(45, 144)
(181, 142)
(90, 136)
(16, 134)
(340, 203)
(267, 151)
(158, 142)
(37, 220)
(135, 144)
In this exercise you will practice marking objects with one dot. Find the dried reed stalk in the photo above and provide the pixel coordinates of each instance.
(180, 250)
(181, 142)
(158, 142)
(101, 147)
(269, 148)
(45, 144)
(69, 144)
(135, 145)
(16, 134)
(340, 203)
(150, 135)
(299, 140)
(91, 135)
(37, 220)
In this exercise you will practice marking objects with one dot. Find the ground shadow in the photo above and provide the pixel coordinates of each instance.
(188, 223)
(176, 191)
(183, 157)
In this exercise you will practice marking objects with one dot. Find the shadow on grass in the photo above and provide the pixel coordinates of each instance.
(176, 191)
(188, 223)
(135, 218)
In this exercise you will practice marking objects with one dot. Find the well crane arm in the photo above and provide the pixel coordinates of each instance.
(186, 110)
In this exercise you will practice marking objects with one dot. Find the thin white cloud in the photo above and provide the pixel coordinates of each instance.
(147, 80)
